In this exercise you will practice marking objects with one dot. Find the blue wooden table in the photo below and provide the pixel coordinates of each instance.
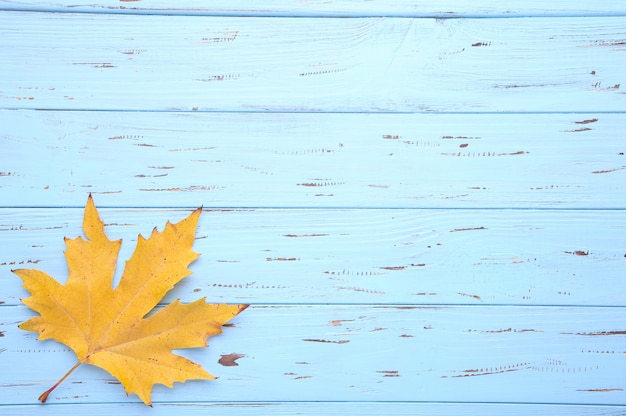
(422, 203)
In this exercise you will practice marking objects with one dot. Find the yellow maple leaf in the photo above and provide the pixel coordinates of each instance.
(107, 326)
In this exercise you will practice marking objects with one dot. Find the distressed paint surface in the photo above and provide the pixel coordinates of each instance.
(314, 160)
(342, 256)
(424, 203)
(131, 62)
(376, 353)
(336, 8)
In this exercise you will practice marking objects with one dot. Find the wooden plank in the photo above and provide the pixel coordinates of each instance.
(320, 408)
(477, 257)
(338, 8)
(393, 310)
(313, 160)
(551, 355)
(124, 62)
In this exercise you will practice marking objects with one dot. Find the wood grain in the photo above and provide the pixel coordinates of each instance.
(369, 353)
(423, 201)
(313, 160)
(336, 8)
(126, 62)
(323, 408)
(412, 257)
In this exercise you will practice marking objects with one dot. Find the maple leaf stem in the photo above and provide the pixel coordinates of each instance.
(45, 394)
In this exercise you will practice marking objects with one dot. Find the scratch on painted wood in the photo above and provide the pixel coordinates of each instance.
(230, 360)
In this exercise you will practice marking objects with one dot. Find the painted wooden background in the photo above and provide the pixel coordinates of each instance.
(424, 204)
